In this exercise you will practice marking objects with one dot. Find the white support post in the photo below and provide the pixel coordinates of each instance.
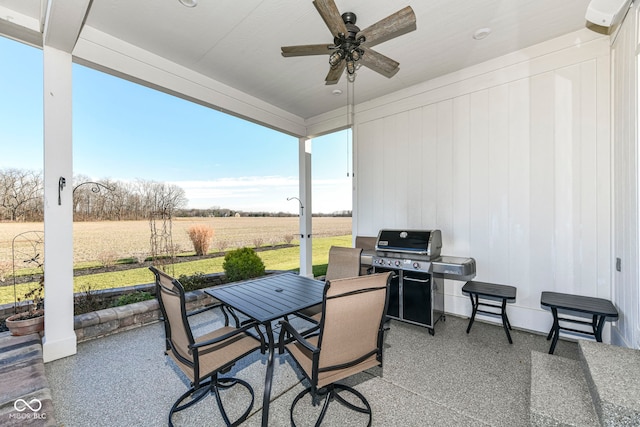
(304, 155)
(59, 336)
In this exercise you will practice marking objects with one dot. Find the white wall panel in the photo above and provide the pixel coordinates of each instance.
(459, 243)
(586, 266)
(514, 173)
(444, 169)
(518, 192)
(368, 146)
(389, 172)
(604, 257)
(415, 163)
(498, 183)
(429, 149)
(625, 292)
(479, 182)
(565, 82)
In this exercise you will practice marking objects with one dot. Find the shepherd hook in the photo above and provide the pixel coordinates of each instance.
(299, 201)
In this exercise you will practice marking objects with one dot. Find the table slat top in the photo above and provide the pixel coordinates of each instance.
(270, 297)
(579, 303)
(492, 290)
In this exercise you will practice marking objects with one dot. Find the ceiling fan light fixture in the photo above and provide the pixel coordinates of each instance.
(189, 3)
(351, 67)
(335, 58)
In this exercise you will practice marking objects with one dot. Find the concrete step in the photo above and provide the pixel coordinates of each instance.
(559, 393)
(25, 398)
(613, 376)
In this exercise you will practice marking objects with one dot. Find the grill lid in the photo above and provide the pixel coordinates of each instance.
(424, 243)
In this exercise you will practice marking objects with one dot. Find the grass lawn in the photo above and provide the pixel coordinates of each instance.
(278, 259)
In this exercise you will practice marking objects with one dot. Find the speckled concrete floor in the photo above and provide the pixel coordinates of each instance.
(450, 379)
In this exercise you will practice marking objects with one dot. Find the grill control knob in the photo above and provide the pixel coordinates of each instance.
(397, 263)
(416, 265)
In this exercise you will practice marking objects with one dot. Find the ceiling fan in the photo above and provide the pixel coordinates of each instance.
(352, 45)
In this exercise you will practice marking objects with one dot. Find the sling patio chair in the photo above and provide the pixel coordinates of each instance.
(343, 263)
(203, 358)
(350, 340)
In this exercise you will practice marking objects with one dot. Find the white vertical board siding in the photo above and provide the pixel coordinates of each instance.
(479, 181)
(541, 185)
(429, 170)
(415, 162)
(498, 183)
(625, 293)
(459, 243)
(519, 193)
(369, 160)
(444, 171)
(513, 173)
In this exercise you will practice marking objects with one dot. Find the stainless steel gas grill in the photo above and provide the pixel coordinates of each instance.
(417, 285)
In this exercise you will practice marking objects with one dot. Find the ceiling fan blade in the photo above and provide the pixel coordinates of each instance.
(335, 73)
(331, 16)
(378, 62)
(394, 25)
(307, 49)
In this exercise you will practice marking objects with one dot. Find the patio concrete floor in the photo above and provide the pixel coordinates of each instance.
(450, 379)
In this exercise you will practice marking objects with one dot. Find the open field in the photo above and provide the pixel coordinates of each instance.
(287, 258)
(124, 239)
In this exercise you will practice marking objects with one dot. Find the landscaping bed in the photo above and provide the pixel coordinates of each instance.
(103, 316)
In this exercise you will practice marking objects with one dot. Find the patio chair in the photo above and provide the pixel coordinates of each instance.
(203, 358)
(343, 263)
(350, 340)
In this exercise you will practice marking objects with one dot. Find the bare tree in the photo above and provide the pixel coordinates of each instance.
(21, 195)
(21, 191)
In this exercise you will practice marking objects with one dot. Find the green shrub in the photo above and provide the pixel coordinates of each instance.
(132, 298)
(242, 264)
(195, 281)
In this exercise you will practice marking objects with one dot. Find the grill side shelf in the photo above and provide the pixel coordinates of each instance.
(455, 268)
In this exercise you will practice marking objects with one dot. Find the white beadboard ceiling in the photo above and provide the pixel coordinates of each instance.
(237, 42)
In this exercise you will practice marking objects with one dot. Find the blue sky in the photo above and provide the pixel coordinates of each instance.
(124, 131)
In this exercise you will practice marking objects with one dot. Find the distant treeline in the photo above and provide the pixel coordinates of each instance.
(21, 199)
(221, 212)
(22, 192)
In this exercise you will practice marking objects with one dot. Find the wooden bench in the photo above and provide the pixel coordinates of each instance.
(490, 291)
(598, 309)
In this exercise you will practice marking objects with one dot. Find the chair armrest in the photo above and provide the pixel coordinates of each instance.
(228, 335)
(286, 327)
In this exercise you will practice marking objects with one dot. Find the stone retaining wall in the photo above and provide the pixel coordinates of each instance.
(105, 322)
(117, 319)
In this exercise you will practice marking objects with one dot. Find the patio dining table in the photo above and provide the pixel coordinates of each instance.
(265, 300)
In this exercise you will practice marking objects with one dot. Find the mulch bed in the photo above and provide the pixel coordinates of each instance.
(122, 267)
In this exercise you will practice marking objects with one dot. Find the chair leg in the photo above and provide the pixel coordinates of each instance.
(214, 386)
(331, 393)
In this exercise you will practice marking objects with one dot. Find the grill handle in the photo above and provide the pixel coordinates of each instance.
(412, 279)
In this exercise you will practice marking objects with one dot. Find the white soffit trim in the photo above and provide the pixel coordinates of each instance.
(20, 27)
(109, 54)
